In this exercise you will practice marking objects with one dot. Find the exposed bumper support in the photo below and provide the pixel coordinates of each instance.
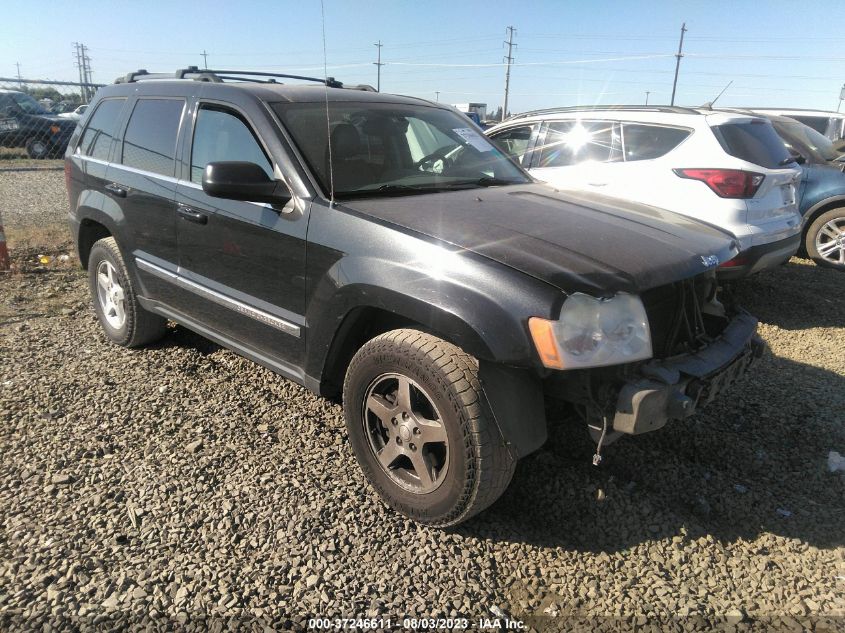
(675, 388)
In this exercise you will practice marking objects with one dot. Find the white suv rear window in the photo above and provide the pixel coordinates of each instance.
(755, 141)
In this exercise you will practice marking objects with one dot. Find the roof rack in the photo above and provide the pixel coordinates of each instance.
(220, 76)
(629, 108)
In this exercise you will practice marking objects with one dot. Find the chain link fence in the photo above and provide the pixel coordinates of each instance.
(37, 117)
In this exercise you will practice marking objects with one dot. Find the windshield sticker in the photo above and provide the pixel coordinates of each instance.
(473, 138)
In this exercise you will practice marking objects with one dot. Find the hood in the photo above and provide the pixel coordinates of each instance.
(574, 241)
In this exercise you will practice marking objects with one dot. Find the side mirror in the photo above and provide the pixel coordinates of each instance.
(239, 180)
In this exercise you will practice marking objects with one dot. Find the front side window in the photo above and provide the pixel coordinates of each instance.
(101, 128)
(220, 134)
(514, 141)
(574, 142)
(150, 140)
(645, 142)
(394, 149)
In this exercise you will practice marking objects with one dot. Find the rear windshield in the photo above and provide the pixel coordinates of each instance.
(806, 141)
(818, 123)
(755, 141)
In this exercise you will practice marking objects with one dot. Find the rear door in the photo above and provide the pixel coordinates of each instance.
(242, 262)
(141, 186)
(577, 154)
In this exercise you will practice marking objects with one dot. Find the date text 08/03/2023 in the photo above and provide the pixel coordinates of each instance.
(416, 624)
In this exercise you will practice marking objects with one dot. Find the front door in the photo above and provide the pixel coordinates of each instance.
(243, 263)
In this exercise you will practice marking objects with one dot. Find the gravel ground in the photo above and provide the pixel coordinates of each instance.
(182, 484)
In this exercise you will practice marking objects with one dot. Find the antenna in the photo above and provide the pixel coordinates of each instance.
(328, 119)
(710, 104)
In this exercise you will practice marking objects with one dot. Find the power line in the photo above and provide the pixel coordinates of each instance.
(378, 64)
(678, 61)
(509, 60)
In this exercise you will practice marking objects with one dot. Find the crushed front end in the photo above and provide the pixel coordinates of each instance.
(700, 347)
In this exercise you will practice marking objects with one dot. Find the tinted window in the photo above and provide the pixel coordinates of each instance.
(644, 142)
(804, 140)
(96, 140)
(818, 123)
(150, 139)
(514, 141)
(755, 141)
(573, 142)
(222, 135)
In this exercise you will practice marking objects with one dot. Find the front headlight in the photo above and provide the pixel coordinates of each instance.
(593, 332)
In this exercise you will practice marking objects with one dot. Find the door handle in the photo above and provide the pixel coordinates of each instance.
(192, 215)
(117, 190)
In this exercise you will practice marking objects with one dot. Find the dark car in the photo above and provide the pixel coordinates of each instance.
(821, 194)
(25, 123)
(324, 233)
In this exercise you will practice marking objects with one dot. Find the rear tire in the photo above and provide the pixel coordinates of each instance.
(421, 430)
(825, 239)
(120, 314)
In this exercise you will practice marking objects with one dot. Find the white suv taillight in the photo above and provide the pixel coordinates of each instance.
(726, 183)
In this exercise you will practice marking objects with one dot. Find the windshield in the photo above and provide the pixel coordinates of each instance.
(28, 104)
(806, 141)
(394, 149)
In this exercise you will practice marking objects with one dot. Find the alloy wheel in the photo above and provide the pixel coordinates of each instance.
(110, 294)
(830, 241)
(406, 433)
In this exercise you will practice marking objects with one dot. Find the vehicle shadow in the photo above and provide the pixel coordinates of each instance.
(754, 462)
(779, 296)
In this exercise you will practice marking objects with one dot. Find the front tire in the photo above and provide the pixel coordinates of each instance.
(37, 148)
(420, 428)
(120, 314)
(825, 239)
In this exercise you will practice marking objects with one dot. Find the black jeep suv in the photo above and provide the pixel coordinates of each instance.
(380, 248)
(24, 123)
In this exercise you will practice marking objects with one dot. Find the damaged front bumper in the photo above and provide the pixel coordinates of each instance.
(675, 388)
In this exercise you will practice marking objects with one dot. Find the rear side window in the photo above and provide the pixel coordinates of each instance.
(96, 140)
(574, 142)
(756, 141)
(644, 142)
(514, 141)
(221, 134)
(150, 140)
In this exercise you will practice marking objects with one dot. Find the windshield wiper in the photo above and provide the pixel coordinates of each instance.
(486, 181)
(388, 190)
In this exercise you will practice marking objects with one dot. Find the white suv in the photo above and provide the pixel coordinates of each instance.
(730, 170)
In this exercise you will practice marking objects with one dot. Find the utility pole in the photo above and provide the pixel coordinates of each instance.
(20, 83)
(678, 61)
(509, 61)
(204, 58)
(841, 97)
(378, 65)
(79, 64)
(437, 95)
(647, 92)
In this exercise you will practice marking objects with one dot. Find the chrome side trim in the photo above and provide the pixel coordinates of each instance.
(212, 295)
